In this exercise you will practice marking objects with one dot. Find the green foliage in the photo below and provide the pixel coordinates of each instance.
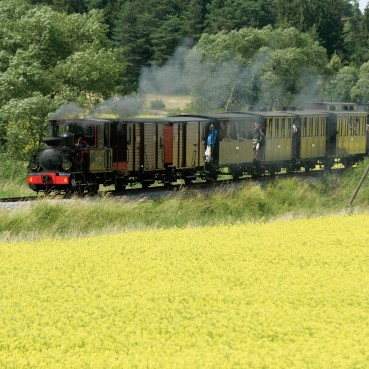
(253, 66)
(325, 16)
(157, 104)
(48, 59)
(340, 87)
(231, 15)
(12, 178)
(25, 123)
(361, 88)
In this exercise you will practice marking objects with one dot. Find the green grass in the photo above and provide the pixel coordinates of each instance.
(291, 198)
(281, 198)
(13, 178)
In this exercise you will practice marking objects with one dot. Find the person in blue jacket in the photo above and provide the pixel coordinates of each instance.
(210, 142)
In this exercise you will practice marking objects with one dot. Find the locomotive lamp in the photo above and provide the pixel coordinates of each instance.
(33, 164)
(66, 164)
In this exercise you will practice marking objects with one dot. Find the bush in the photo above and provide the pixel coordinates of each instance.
(157, 104)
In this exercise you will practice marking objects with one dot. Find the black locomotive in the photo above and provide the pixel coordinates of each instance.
(82, 154)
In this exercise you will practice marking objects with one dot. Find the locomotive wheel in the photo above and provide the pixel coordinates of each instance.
(81, 190)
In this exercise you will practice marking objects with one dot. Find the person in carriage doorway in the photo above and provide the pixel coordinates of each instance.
(294, 139)
(210, 142)
(257, 136)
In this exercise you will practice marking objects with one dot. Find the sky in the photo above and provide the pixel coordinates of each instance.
(362, 4)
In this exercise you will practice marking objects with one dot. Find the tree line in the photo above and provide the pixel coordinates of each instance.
(150, 30)
(240, 53)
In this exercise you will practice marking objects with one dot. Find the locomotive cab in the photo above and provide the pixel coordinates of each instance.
(76, 152)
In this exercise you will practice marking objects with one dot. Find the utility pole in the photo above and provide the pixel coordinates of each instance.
(359, 185)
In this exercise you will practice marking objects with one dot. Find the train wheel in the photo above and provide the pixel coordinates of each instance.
(93, 189)
(255, 174)
(328, 164)
(81, 190)
(119, 187)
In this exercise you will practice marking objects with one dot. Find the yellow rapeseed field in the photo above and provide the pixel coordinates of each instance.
(285, 294)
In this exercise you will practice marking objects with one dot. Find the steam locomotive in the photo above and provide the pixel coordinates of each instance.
(82, 154)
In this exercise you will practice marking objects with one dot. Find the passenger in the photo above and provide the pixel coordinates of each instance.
(210, 142)
(294, 139)
(256, 140)
(294, 128)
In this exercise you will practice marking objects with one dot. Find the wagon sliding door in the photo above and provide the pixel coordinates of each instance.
(152, 138)
(192, 144)
(118, 142)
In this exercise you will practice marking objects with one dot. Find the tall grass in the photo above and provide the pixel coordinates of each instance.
(291, 197)
(13, 178)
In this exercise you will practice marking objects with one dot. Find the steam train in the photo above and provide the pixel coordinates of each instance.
(82, 154)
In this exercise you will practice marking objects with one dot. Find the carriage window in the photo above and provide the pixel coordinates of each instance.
(304, 126)
(342, 127)
(339, 127)
(269, 128)
(310, 127)
(283, 128)
(363, 126)
(322, 126)
(288, 127)
(349, 127)
(224, 130)
(233, 130)
(357, 126)
(276, 127)
(316, 126)
(241, 130)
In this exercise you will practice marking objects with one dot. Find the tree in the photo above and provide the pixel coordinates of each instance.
(134, 42)
(325, 17)
(193, 19)
(48, 59)
(339, 89)
(361, 89)
(236, 14)
(148, 32)
(68, 6)
(254, 67)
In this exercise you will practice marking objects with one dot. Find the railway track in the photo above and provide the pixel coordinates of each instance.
(20, 199)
